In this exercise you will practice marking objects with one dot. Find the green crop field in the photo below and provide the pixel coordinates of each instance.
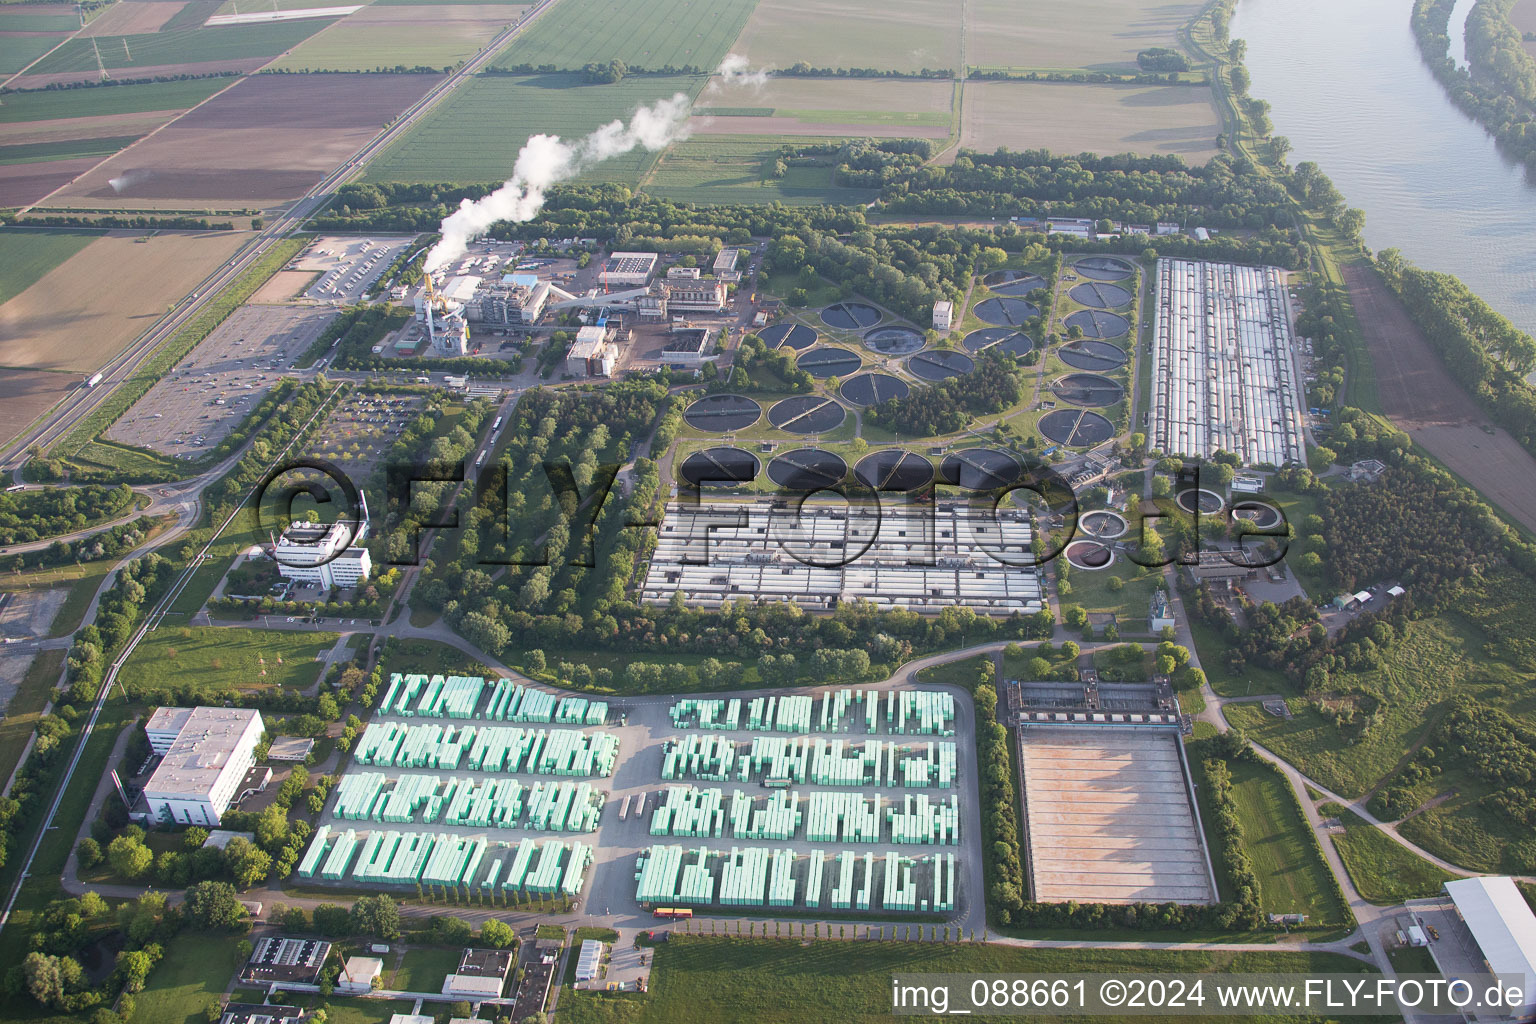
(26, 255)
(1382, 870)
(892, 35)
(725, 981)
(655, 34)
(69, 149)
(1293, 878)
(45, 105)
(185, 46)
(359, 46)
(737, 169)
(16, 52)
(13, 20)
(476, 133)
(213, 657)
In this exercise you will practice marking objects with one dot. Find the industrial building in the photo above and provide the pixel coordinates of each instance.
(590, 963)
(593, 353)
(943, 315)
(325, 556)
(696, 297)
(684, 273)
(725, 265)
(1504, 929)
(686, 344)
(517, 300)
(922, 559)
(279, 959)
(204, 766)
(358, 974)
(481, 974)
(260, 1013)
(164, 726)
(628, 269)
(1224, 377)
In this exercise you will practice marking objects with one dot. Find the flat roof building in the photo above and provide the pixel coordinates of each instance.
(202, 770)
(590, 963)
(358, 974)
(686, 344)
(725, 265)
(1504, 928)
(592, 353)
(278, 959)
(943, 315)
(697, 297)
(628, 269)
(259, 1013)
(164, 726)
(327, 556)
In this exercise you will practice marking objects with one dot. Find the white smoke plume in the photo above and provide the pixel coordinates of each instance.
(547, 160)
(736, 71)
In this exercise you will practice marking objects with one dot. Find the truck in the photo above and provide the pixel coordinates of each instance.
(674, 913)
(95, 379)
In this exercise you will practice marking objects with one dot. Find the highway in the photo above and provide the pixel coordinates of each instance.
(80, 403)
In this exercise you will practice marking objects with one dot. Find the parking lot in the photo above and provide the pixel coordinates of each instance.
(201, 400)
(362, 428)
(348, 266)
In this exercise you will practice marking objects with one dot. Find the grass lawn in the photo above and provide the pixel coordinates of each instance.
(958, 673)
(215, 657)
(347, 1010)
(1130, 603)
(195, 970)
(1412, 960)
(751, 980)
(1293, 878)
(520, 106)
(423, 970)
(26, 707)
(1253, 679)
(577, 1007)
(737, 169)
(1383, 871)
(656, 34)
(27, 254)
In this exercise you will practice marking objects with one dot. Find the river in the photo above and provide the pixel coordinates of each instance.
(1346, 85)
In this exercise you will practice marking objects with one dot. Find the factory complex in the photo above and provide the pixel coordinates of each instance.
(821, 554)
(1224, 375)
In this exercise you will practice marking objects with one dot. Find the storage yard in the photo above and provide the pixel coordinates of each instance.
(820, 554)
(219, 382)
(1225, 378)
(824, 801)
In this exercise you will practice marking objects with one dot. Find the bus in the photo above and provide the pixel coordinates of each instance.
(780, 782)
(496, 426)
(674, 913)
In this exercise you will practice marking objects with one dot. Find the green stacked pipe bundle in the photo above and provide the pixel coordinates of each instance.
(776, 757)
(744, 877)
(790, 713)
(842, 889)
(843, 817)
(341, 855)
(900, 889)
(919, 820)
(317, 844)
(933, 765)
(924, 712)
(779, 818)
(698, 757)
(813, 880)
(706, 714)
(688, 811)
(781, 879)
(862, 902)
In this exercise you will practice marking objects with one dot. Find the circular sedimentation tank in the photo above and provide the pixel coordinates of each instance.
(1013, 282)
(1092, 354)
(829, 361)
(1103, 524)
(873, 388)
(894, 469)
(1089, 555)
(720, 414)
(807, 469)
(1076, 427)
(895, 341)
(940, 364)
(1089, 389)
(1103, 268)
(850, 316)
(981, 469)
(1006, 311)
(1101, 294)
(1260, 513)
(1204, 501)
(795, 336)
(722, 465)
(1096, 323)
(807, 414)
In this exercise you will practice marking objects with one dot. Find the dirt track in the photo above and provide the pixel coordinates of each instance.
(1419, 396)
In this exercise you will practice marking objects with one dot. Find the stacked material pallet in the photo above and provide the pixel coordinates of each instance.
(706, 714)
(699, 757)
(488, 748)
(357, 795)
(581, 711)
(777, 819)
(900, 889)
(665, 875)
(544, 878)
(411, 793)
(564, 807)
(840, 763)
(790, 713)
(919, 820)
(522, 860)
(491, 803)
(842, 888)
(335, 866)
(923, 712)
(689, 811)
(776, 757)
(862, 900)
(312, 856)
(744, 876)
(843, 817)
(943, 883)
(781, 878)
(451, 697)
(452, 860)
(557, 867)
(813, 880)
(933, 765)
(835, 708)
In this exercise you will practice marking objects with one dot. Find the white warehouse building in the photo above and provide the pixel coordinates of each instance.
(203, 767)
(324, 556)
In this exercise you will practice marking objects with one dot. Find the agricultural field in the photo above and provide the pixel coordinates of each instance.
(234, 6)
(219, 657)
(438, 36)
(738, 169)
(1095, 35)
(891, 35)
(156, 97)
(1079, 118)
(655, 34)
(24, 18)
(129, 19)
(265, 141)
(807, 107)
(89, 306)
(25, 256)
(27, 394)
(519, 106)
(208, 47)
